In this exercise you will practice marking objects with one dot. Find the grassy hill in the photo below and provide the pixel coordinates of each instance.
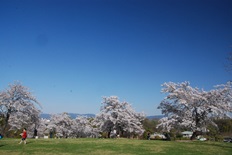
(112, 147)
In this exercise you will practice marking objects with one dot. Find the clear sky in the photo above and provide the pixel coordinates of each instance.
(70, 53)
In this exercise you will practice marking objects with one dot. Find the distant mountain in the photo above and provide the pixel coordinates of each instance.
(155, 117)
(46, 116)
(72, 115)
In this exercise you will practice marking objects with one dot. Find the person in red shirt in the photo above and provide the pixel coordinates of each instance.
(24, 136)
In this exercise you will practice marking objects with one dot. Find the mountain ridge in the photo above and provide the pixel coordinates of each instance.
(74, 115)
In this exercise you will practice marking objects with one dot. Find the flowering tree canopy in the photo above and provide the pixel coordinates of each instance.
(119, 116)
(19, 107)
(64, 126)
(83, 127)
(43, 128)
(62, 123)
(194, 108)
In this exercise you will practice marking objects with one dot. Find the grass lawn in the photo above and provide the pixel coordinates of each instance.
(112, 147)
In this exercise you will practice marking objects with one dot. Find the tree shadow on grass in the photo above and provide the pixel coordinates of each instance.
(220, 145)
(30, 142)
(2, 145)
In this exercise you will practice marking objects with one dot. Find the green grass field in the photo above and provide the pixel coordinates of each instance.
(112, 147)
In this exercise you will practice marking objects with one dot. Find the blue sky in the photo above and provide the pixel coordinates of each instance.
(70, 53)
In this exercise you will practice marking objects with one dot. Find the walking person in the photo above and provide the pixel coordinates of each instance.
(24, 136)
(51, 133)
(148, 136)
(35, 133)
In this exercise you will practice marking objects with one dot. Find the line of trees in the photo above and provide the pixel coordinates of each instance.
(20, 109)
(115, 118)
(185, 108)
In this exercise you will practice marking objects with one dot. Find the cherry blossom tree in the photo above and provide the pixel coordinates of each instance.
(43, 127)
(65, 126)
(21, 119)
(83, 128)
(120, 117)
(194, 108)
(18, 106)
(62, 123)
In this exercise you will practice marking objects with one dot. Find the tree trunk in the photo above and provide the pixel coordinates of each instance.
(6, 123)
(194, 135)
(120, 132)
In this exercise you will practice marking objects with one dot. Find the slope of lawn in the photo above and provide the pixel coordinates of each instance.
(112, 147)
